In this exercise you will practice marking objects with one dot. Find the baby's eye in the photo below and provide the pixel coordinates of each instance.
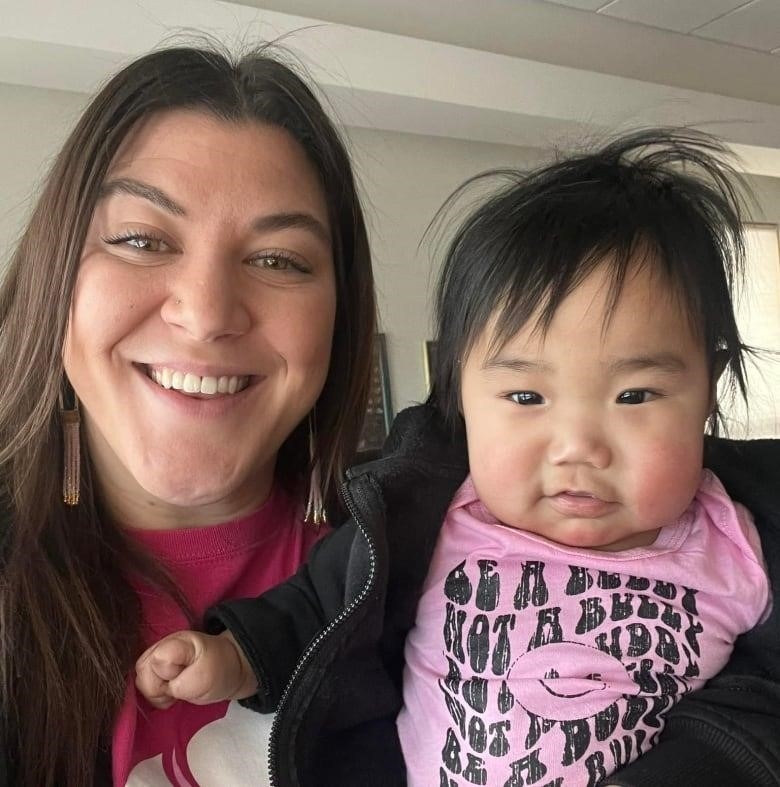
(526, 397)
(636, 396)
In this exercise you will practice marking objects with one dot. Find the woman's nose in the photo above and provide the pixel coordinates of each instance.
(205, 299)
(580, 439)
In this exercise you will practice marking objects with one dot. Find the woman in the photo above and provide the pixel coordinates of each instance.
(186, 335)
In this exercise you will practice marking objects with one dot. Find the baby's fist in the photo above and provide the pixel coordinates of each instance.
(195, 667)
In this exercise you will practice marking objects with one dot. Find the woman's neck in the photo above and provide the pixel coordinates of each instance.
(132, 507)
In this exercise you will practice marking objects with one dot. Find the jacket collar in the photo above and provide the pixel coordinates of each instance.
(420, 437)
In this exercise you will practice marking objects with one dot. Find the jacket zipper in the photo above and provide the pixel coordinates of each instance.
(326, 632)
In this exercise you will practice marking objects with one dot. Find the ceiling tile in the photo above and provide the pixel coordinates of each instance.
(680, 15)
(756, 26)
(585, 5)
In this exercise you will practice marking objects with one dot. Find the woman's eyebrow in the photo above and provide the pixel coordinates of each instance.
(292, 220)
(155, 195)
(136, 188)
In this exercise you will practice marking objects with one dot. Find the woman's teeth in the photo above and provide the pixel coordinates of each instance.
(195, 384)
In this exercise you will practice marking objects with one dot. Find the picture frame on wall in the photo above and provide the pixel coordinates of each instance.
(429, 355)
(379, 411)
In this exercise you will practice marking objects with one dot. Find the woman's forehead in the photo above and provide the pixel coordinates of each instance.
(199, 160)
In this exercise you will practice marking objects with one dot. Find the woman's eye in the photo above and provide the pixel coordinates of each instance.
(638, 396)
(277, 261)
(272, 262)
(138, 242)
(526, 397)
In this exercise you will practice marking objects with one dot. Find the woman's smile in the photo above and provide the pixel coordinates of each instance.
(191, 394)
(192, 383)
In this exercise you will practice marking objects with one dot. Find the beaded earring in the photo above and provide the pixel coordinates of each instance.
(71, 451)
(315, 508)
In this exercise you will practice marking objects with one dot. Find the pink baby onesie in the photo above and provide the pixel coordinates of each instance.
(535, 663)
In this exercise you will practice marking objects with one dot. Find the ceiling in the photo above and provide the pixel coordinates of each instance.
(524, 72)
(559, 33)
(753, 24)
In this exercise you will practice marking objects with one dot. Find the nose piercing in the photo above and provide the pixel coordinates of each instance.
(178, 301)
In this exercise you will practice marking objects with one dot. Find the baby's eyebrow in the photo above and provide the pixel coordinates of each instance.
(515, 365)
(664, 361)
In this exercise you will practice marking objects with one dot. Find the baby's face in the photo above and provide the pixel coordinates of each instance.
(591, 436)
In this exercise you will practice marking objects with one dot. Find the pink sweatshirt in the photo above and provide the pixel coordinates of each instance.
(223, 743)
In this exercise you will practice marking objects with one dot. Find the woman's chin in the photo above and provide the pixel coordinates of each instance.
(200, 495)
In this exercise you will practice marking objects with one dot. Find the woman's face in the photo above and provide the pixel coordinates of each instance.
(201, 325)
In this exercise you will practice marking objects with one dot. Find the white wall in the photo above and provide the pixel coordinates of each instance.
(404, 178)
(758, 315)
(33, 124)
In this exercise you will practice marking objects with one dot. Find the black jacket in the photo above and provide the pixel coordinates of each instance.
(348, 611)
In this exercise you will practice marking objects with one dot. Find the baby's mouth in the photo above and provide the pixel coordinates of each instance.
(195, 384)
(578, 503)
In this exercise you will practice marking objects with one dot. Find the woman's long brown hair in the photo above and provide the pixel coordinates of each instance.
(69, 621)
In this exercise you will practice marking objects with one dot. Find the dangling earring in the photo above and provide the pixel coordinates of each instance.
(315, 510)
(71, 452)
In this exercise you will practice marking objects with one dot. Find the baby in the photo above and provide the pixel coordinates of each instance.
(589, 572)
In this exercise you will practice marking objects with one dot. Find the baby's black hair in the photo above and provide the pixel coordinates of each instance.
(665, 198)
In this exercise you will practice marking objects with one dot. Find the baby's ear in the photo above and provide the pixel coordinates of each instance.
(719, 365)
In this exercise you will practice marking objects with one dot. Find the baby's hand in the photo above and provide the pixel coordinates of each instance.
(198, 668)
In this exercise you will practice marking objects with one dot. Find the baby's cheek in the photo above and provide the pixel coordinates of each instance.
(488, 470)
(667, 480)
(503, 476)
(498, 462)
